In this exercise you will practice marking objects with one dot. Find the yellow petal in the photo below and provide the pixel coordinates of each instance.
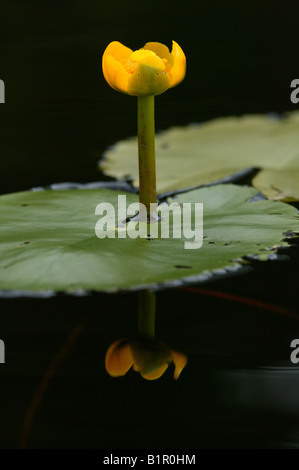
(161, 50)
(149, 77)
(156, 374)
(118, 76)
(140, 74)
(118, 358)
(180, 361)
(120, 54)
(178, 70)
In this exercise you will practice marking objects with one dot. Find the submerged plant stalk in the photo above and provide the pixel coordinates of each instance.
(146, 314)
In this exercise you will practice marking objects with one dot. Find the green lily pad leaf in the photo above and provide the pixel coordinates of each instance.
(279, 184)
(200, 154)
(48, 241)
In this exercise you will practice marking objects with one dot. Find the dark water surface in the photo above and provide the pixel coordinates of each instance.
(239, 388)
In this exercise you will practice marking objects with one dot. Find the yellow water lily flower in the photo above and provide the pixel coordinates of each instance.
(149, 357)
(148, 71)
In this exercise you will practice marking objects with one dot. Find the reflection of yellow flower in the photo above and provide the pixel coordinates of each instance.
(148, 71)
(149, 357)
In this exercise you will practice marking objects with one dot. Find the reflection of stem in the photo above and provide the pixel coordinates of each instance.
(146, 314)
(146, 151)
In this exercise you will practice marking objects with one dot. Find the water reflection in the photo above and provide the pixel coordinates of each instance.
(149, 357)
(145, 354)
(269, 389)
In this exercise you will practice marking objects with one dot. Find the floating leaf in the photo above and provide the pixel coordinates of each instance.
(48, 241)
(200, 154)
(279, 184)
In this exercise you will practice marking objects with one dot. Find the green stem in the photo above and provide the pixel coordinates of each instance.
(146, 151)
(146, 314)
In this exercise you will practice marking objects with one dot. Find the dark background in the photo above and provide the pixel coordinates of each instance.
(239, 388)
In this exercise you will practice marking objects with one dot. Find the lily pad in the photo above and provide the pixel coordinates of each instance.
(200, 154)
(282, 184)
(48, 241)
